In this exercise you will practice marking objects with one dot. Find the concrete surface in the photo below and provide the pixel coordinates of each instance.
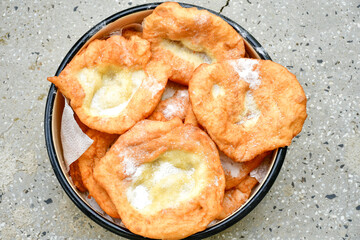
(317, 194)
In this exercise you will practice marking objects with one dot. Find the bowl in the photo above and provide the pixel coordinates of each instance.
(55, 105)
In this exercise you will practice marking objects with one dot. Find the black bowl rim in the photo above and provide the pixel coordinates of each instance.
(251, 204)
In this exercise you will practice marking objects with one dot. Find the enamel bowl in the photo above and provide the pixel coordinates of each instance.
(55, 103)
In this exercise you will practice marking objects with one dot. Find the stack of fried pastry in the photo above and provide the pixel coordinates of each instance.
(179, 119)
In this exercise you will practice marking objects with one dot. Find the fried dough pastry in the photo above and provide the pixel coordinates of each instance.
(75, 174)
(129, 32)
(86, 163)
(187, 37)
(236, 172)
(190, 117)
(237, 196)
(109, 81)
(82, 126)
(175, 103)
(248, 106)
(165, 179)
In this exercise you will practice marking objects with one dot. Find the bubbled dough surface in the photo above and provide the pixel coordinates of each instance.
(174, 103)
(143, 144)
(35, 50)
(86, 163)
(188, 37)
(173, 177)
(235, 197)
(102, 71)
(248, 106)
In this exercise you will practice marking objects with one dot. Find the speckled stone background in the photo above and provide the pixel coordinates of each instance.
(317, 193)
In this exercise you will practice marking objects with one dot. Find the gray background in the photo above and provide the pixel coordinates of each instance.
(317, 193)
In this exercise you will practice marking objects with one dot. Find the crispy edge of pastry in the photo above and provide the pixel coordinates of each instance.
(129, 32)
(244, 168)
(133, 53)
(277, 94)
(175, 106)
(86, 163)
(198, 30)
(75, 175)
(150, 139)
(235, 197)
(190, 118)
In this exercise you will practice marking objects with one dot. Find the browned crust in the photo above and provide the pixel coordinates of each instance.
(175, 106)
(76, 176)
(132, 53)
(279, 97)
(190, 118)
(203, 31)
(82, 126)
(237, 196)
(143, 143)
(86, 163)
(128, 33)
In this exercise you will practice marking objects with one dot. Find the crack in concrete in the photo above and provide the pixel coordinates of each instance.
(222, 8)
(15, 121)
(7, 130)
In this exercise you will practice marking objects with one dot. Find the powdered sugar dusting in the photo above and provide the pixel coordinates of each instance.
(216, 181)
(247, 70)
(165, 174)
(217, 91)
(138, 172)
(139, 197)
(183, 93)
(166, 169)
(251, 113)
(171, 109)
(202, 18)
(152, 85)
(129, 165)
(186, 188)
(176, 106)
